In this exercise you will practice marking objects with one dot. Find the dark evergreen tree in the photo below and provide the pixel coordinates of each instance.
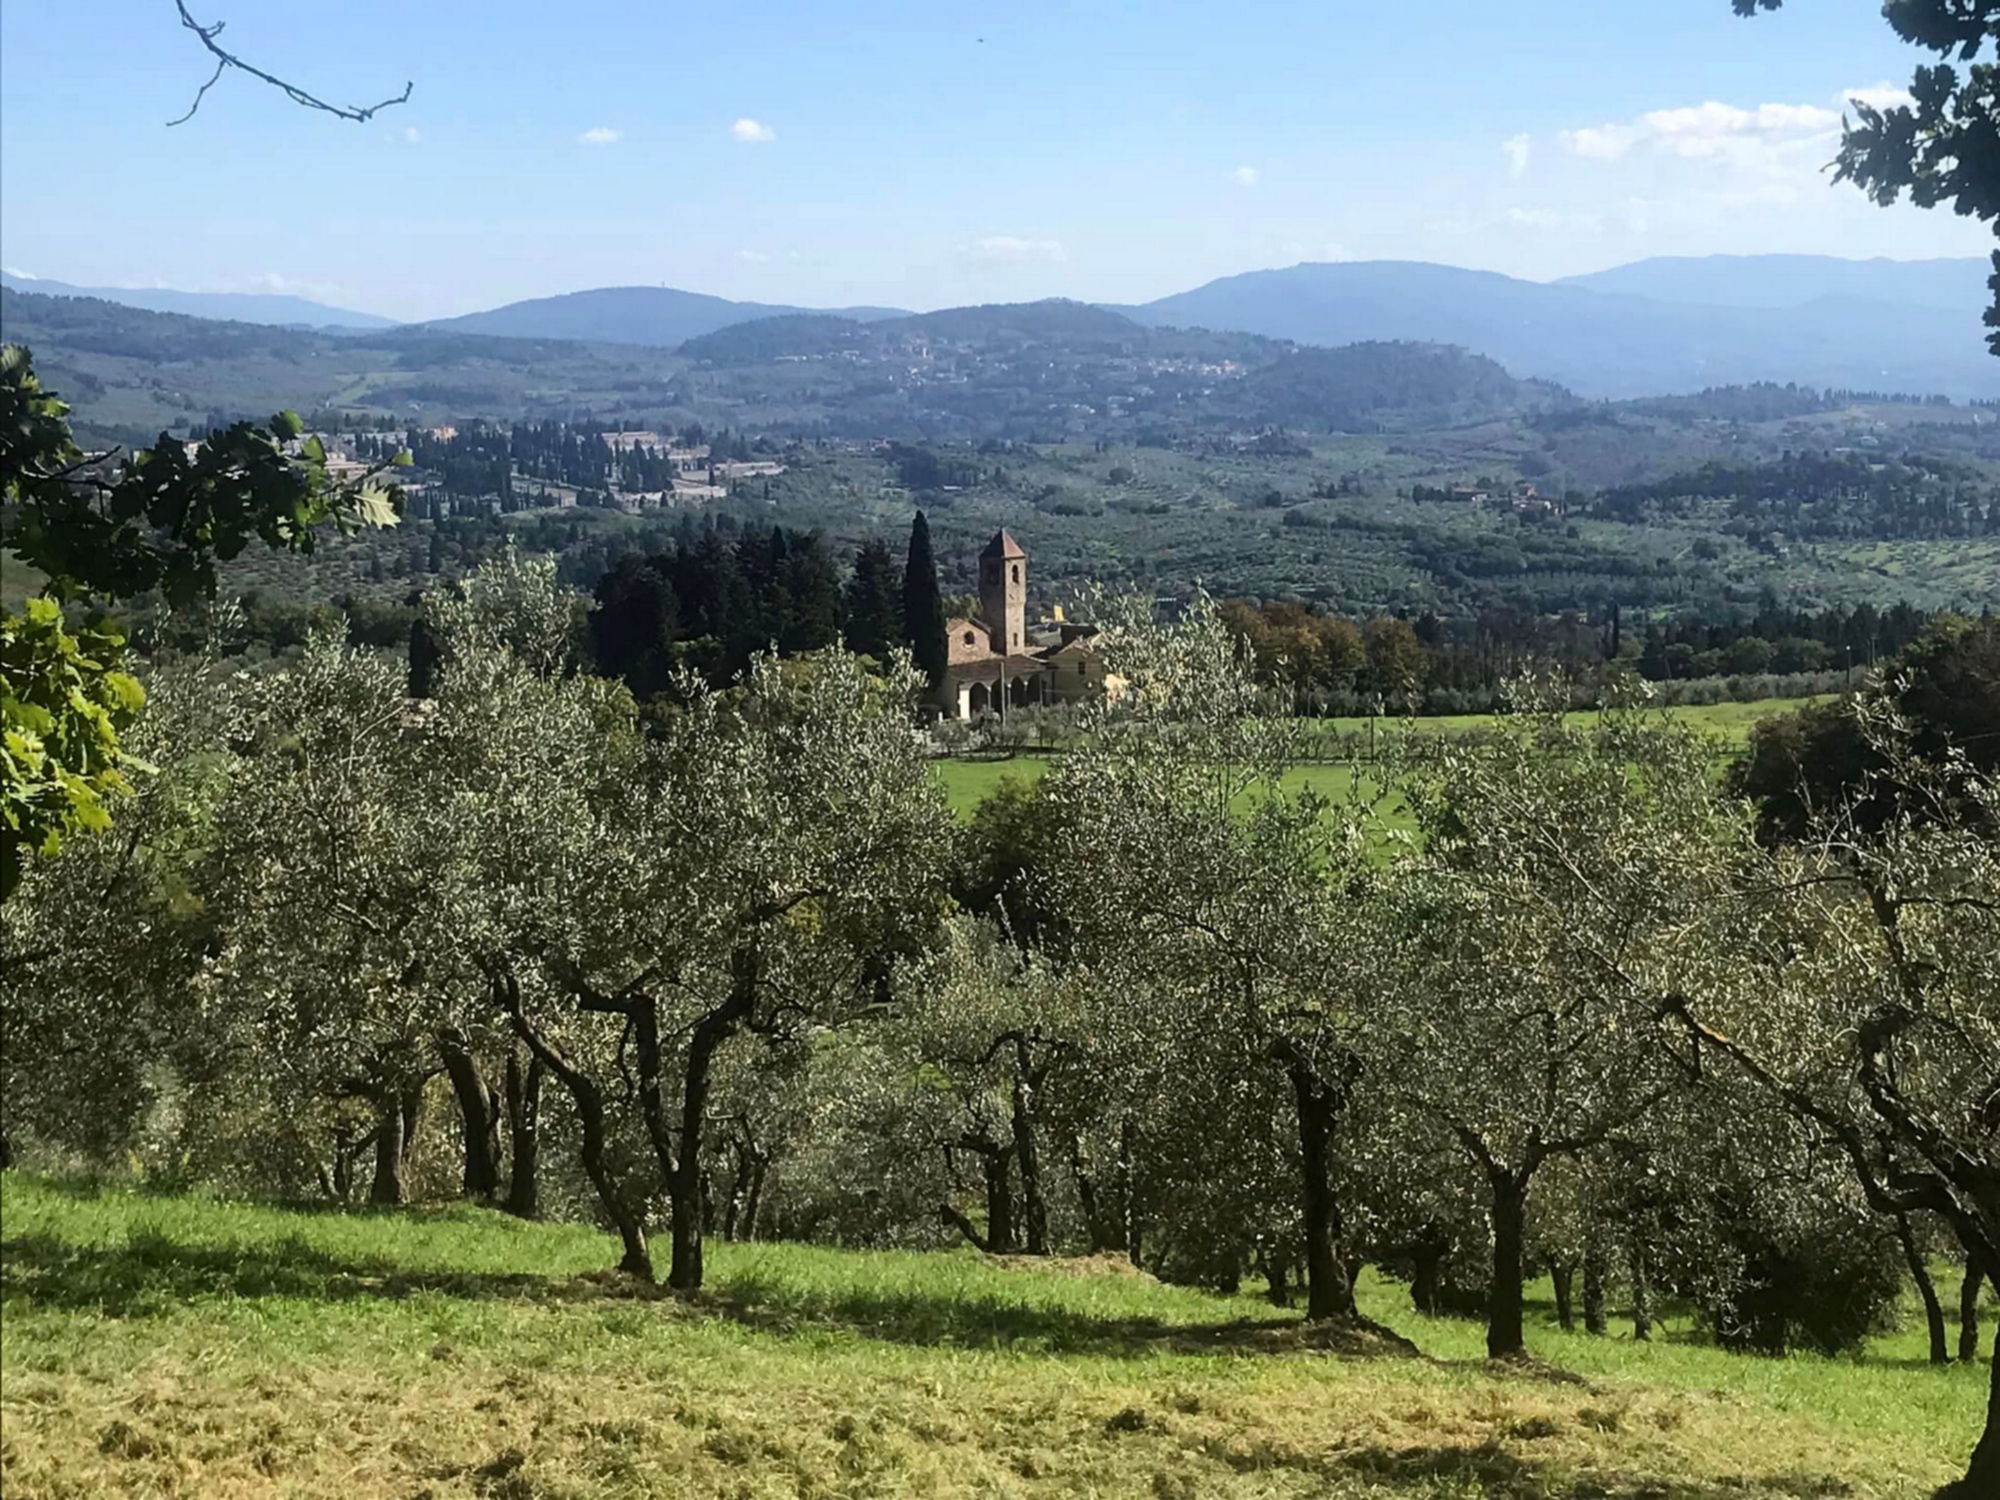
(874, 604)
(923, 603)
(808, 594)
(424, 652)
(632, 629)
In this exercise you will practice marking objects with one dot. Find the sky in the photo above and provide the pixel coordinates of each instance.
(926, 153)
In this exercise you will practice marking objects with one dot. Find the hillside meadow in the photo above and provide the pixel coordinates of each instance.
(175, 1346)
(969, 780)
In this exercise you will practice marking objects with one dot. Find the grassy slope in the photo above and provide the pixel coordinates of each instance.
(157, 1346)
(970, 782)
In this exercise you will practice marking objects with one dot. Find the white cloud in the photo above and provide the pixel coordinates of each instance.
(599, 135)
(1245, 176)
(754, 257)
(752, 132)
(1599, 142)
(1710, 130)
(1517, 148)
(19, 274)
(411, 134)
(1011, 250)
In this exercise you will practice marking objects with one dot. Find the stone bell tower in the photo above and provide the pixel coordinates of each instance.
(1003, 593)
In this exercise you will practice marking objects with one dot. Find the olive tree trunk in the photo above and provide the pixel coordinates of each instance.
(1329, 1292)
(1921, 1275)
(479, 1112)
(1505, 1336)
(1034, 1208)
(524, 1133)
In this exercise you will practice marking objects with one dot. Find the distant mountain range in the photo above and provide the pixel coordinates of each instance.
(269, 308)
(635, 315)
(1793, 280)
(1858, 325)
(1649, 328)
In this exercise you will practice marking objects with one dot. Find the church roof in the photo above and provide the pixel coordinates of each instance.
(1003, 545)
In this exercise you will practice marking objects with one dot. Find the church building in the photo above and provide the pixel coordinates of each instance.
(993, 662)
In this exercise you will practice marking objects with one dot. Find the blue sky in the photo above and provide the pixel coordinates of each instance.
(924, 152)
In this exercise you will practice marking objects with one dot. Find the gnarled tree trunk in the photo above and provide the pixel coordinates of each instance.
(1426, 1270)
(1034, 1209)
(684, 1272)
(1329, 1293)
(1921, 1275)
(1595, 1320)
(479, 1111)
(1642, 1292)
(389, 1187)
(1562, 1275)
(524, 1133)
(625, 1217)
(1968, 1310)
(1982, 1471)
(1505, 1336)
(994, 1162)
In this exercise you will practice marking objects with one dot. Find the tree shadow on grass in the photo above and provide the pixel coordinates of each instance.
(151, 1273)
(978, 1320)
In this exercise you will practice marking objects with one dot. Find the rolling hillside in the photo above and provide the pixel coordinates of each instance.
(240, 307)
(654, 315)
(1606, 343)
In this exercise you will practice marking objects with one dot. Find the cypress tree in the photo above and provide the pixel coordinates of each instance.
(923, 604)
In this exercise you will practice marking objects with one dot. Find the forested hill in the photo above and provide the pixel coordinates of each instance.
(1604, 341)
(1346, 388)
(1038, 372)
(653, 315)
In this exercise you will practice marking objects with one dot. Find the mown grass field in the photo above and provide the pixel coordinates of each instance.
(160, 1346)
(968, 781)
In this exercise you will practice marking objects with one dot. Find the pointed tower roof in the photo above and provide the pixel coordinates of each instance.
(1002, 545)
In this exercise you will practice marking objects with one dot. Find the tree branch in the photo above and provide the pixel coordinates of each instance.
(225, 60)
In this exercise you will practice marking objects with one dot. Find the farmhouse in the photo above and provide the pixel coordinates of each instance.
(992, 661)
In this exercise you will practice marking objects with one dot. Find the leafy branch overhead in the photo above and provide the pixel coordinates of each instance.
(1943, 147)
(103, 529)
(225, 60)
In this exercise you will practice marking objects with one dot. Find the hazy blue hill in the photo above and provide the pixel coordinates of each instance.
(1793, 280)
(1359, 385)
(1054, 320)
(96, 325)
(1600, 343)
(632, 315)
(269, 309)
(788, 334)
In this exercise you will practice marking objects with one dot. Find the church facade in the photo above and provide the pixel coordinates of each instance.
(994, 662)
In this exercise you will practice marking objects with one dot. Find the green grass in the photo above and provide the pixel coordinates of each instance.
(970, 781)
(175, 1346)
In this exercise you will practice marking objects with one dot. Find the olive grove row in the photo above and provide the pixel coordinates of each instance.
(735, 969)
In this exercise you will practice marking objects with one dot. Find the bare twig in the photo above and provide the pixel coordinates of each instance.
(224, 60)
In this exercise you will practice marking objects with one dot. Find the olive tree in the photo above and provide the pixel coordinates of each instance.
(334, 962)
(1856, 979)
(774, 848)
(1534, 937)
(1212, 898)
